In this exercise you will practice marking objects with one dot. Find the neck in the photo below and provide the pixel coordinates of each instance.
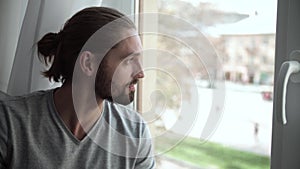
(80, 121)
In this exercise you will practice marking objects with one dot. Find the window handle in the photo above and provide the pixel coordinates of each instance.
(286, 70)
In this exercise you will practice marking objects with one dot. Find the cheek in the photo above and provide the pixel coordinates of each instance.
(119, 81)
(122, 75)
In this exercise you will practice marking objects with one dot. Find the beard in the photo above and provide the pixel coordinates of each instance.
(123, 98)
(106, 89)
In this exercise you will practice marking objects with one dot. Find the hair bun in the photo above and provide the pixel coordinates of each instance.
(48, 45)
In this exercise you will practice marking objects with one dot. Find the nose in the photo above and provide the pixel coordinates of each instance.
(139, 73)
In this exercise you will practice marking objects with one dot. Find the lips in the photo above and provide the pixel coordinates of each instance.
(132, 85)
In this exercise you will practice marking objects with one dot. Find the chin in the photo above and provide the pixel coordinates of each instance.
(123, 99)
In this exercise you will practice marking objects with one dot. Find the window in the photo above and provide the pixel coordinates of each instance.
(232, 135)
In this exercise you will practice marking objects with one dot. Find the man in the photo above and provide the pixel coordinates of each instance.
(82, 124)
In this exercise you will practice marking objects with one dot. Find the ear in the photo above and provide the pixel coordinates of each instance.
(87, 63)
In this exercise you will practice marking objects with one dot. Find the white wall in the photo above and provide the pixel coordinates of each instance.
(124, 6)
(11, 15)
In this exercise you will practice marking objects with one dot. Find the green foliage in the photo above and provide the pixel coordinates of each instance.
(213, 155)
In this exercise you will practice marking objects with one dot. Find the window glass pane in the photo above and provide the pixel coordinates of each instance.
(226, 49)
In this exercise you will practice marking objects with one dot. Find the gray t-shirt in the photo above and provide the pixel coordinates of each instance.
(3, 95)
(33, 136)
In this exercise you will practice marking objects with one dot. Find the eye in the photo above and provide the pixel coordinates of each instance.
(128, 60)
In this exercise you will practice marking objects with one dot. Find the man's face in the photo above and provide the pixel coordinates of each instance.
(119, 72)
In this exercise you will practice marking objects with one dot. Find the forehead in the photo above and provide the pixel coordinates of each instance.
(129, 46)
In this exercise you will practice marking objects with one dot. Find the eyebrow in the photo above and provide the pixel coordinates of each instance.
(131, 54)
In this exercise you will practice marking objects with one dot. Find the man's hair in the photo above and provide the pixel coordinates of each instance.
(62, 48)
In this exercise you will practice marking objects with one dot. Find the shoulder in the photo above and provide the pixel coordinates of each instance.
(24, 98)
(128, 122)
(17, 112)
(125, 112)
(22, 105)
(125, 119)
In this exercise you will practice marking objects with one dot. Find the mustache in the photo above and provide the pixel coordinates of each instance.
(133, 82)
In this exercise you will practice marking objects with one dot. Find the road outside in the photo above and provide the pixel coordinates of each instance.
(246, 122)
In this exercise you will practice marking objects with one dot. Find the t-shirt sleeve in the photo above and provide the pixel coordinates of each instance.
(145, 158)
(3, 136)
